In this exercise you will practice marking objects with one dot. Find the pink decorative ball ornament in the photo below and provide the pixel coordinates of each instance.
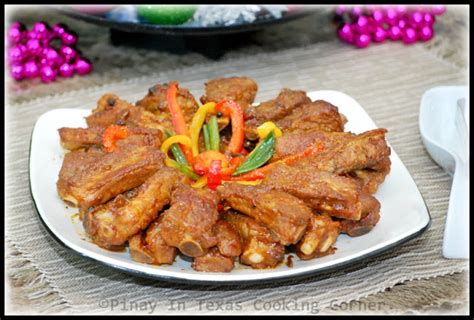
(31, 70)
(426, 33)
(67, 53)
(17, 71)
(409, 36)
(30, 54)
(379, 23)
(69, 38)
(395, 33)
(83, 66)
(346, 33)
(362, 40)
(48, 74)
(66, 70)
(380, 35)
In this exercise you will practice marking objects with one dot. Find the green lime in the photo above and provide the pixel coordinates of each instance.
(164, 14)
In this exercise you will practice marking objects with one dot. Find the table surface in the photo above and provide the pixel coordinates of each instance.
(114, 63)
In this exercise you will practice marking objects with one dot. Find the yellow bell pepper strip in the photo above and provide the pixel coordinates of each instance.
(259, 156)
(245, 183)
(177, 117)
(196, 124)
(214, 177)
(264, 129)
(201, 182)
(111, 135)
(214, 136)
(176, 150)
(166, 146)
(205, 132)
(232, 109)
(202, 162)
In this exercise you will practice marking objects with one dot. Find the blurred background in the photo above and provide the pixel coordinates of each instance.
(117, 49)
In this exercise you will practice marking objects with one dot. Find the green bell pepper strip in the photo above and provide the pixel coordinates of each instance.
(214, 137)
(259, 156)
(176, 150)
(207, 143)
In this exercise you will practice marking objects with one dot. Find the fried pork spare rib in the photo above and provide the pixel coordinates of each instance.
(90, 178)
(342, 152)
(188, 223)
(260, 247)
(113, 223)
(240, 89)
(76, 138)
(149, 247)
(112, 110)
(322, 191)
(293, 111)
(284, 214)
(319, 237)
(155, 102)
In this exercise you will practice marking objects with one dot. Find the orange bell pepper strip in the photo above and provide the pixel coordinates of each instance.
(177, 117)
(232, 109)
(111, 135)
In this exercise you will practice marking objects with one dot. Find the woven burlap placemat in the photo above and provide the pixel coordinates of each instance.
(386, 81)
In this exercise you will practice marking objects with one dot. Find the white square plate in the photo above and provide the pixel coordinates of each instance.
(403, 214)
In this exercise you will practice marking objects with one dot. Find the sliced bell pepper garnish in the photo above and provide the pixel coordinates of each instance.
(205, 132)
(264, 129)
(260, 173)
(201, 182)
(214, 136)
(259, 156)
(202, 162)
(214, 177)
(111, 135)
(176, 150)
(232, 109)
(165, 148)
(177, 117)
(197, 123)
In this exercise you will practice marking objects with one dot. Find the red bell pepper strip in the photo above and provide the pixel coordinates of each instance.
(111, 135)
(214, 177)
(232, 109)
(177, 117)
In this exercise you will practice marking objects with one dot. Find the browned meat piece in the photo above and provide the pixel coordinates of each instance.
(88, 180)
(284, 214)
(228, 239)
(370, 179)
(75, 138)
(318, 239)
(370, 217)
(309, 116)
(323, 191)
(188, 223)
(240, 89)
(156, 103)
(149, 246)
(273, 110)
(113, 223)
(110, 109)
(113, 110)
(213, 261)
(318, 116)
(341, 152)
(260, 248)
